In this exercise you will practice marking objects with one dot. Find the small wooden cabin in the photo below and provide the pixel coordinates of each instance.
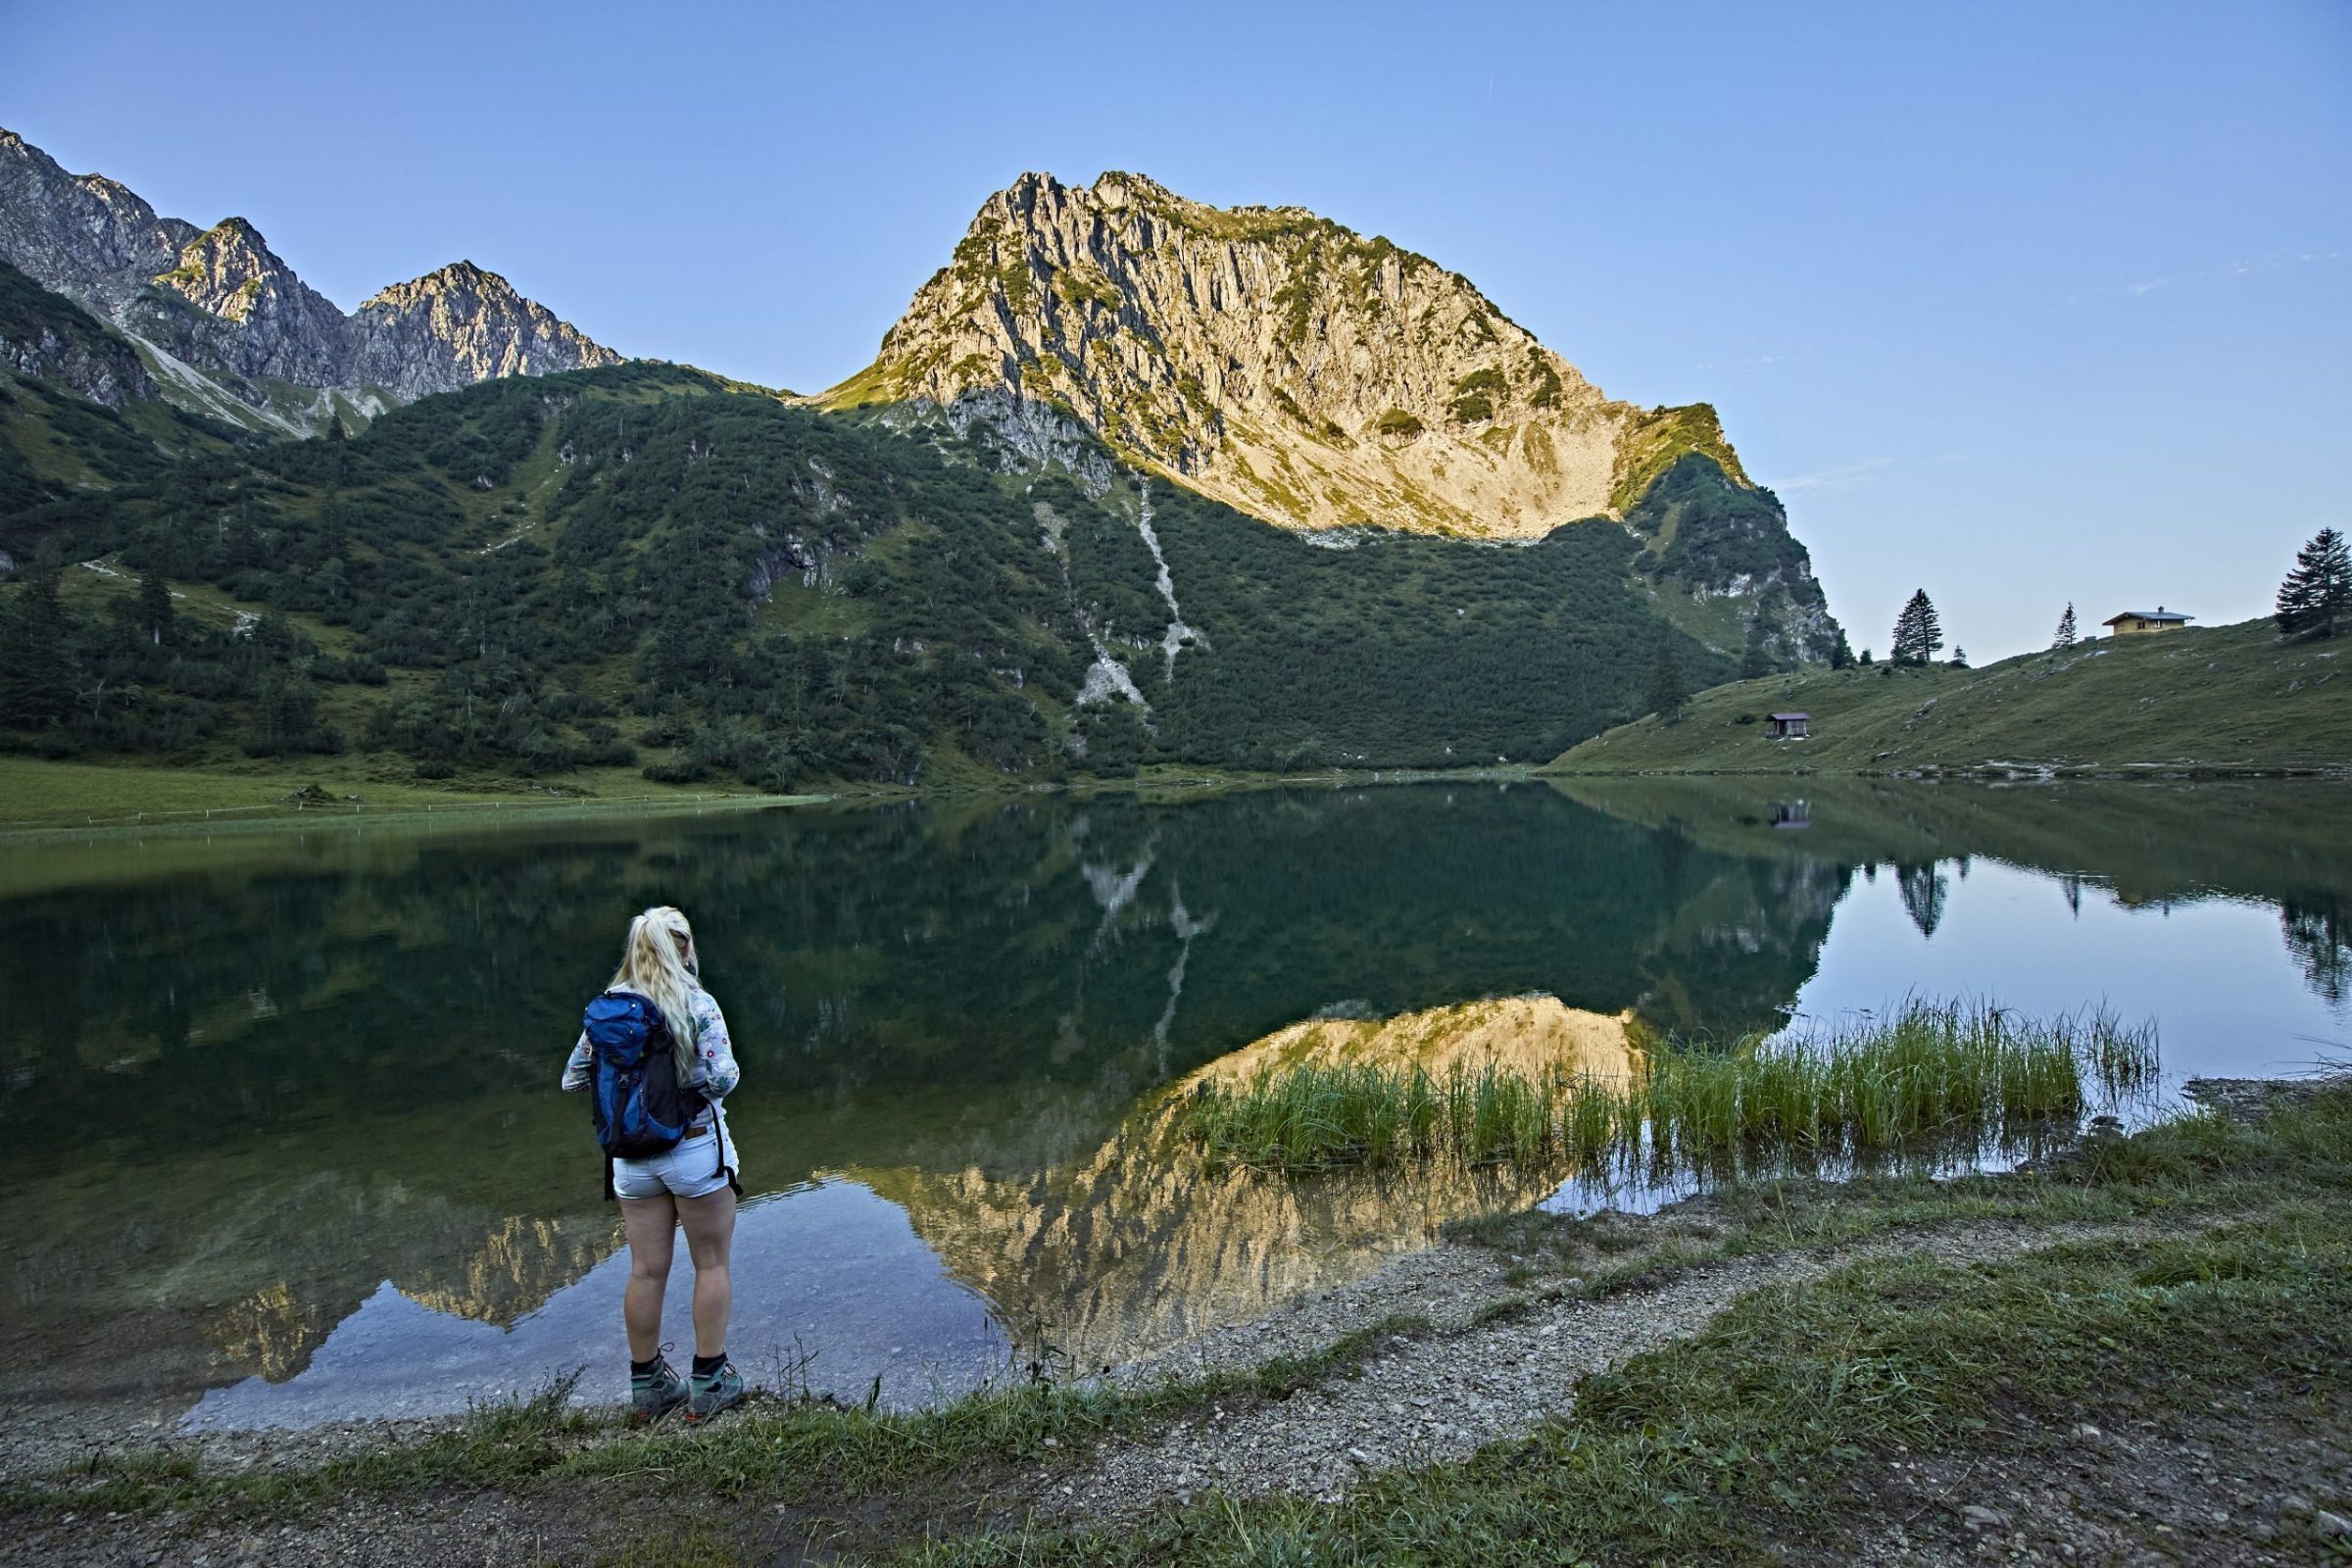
(2133, 623)
(1788, 726)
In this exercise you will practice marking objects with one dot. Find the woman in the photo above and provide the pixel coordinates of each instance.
(691, 1185)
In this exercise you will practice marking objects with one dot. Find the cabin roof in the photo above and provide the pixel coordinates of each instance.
(2158, 614)
(1790, 715)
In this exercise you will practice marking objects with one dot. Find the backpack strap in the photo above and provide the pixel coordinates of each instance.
(609, 1195)
(718, 1135)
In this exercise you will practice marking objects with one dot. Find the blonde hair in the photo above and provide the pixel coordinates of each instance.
(653, 965)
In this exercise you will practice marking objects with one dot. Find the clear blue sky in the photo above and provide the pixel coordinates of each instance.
(2020, 304)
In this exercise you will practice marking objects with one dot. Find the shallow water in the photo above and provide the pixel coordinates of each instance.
(286, 1145)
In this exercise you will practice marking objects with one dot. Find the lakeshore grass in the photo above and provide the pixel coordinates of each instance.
(1933, 1072)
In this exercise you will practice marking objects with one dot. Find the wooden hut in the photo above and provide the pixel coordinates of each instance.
(2133, 623)
(1788, 726)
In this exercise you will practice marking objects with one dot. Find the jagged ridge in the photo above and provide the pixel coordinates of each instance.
(230, 329)
(1267, 357)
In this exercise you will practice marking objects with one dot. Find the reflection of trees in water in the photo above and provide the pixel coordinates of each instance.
(2318, 941)
(858, 951)
(1924, 890)
(1039, 965)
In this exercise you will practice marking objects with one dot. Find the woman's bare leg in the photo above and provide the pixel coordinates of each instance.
(651, 1224)
(709, 1223)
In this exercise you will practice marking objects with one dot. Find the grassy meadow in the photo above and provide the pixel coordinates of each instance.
(39, 795)
(2221, 698)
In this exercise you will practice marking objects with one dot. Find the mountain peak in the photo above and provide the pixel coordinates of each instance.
(458, 324)
(1265, 355)
(221, 302)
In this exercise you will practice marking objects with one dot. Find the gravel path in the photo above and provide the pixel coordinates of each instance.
(1425, 1399)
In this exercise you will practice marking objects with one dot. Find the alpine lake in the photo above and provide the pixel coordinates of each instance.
(286, 1147)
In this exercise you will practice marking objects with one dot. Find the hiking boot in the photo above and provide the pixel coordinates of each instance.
(714, 1391)
(654, 1394)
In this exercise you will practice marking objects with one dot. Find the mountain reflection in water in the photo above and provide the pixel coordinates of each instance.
(255, 1079)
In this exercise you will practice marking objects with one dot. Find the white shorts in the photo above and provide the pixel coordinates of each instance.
(695, 1169)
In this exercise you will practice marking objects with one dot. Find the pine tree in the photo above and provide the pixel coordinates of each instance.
(36, 668)
(2316, 596)
(1841, 652)
(1918, 634)
(1959, 658)
(1666, 694)
(2065, 628)
(155, 607)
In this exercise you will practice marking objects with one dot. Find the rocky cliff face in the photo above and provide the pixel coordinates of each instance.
(1269, 358)
(236, 333)
(253, 315)
(70, 231)
(460, 325)
(47, 336)
(1321, 380)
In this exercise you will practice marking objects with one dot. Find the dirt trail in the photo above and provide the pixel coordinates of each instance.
(1431, 1397)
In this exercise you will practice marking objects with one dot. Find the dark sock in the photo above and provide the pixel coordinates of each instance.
(705, 1365)
(639, 1369)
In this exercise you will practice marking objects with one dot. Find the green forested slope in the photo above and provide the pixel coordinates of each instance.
(2221, 698)
(648, 566)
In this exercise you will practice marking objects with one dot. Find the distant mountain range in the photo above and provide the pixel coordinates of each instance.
(225, 327)
(1134, 479)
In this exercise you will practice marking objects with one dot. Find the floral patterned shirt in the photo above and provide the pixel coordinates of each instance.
(715, 1072)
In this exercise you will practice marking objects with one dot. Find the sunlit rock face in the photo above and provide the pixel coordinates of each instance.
(1267, 357)
(1139, 1245)
(252, 314)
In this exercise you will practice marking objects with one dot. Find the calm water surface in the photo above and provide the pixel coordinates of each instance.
(285, 1143)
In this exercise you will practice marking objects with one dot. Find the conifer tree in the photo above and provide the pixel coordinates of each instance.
(1918, 634)
(1666, 694)
(2065, 628)
(2317, 596)
(1842, 653)
(36, 668)
(155, 607)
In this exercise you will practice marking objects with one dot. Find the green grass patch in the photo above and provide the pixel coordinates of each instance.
(41, 795)
(1766, 1434)
(1934, 1072)
(2217, 700)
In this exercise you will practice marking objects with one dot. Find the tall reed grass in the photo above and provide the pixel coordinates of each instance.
(1933, 1072)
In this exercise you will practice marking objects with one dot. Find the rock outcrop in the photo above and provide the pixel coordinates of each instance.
(233, 332)
(450, 329)
(252, 314)
(1272, 359)
(47, 336)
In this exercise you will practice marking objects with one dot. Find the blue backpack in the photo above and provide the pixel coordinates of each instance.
(640, 1108)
